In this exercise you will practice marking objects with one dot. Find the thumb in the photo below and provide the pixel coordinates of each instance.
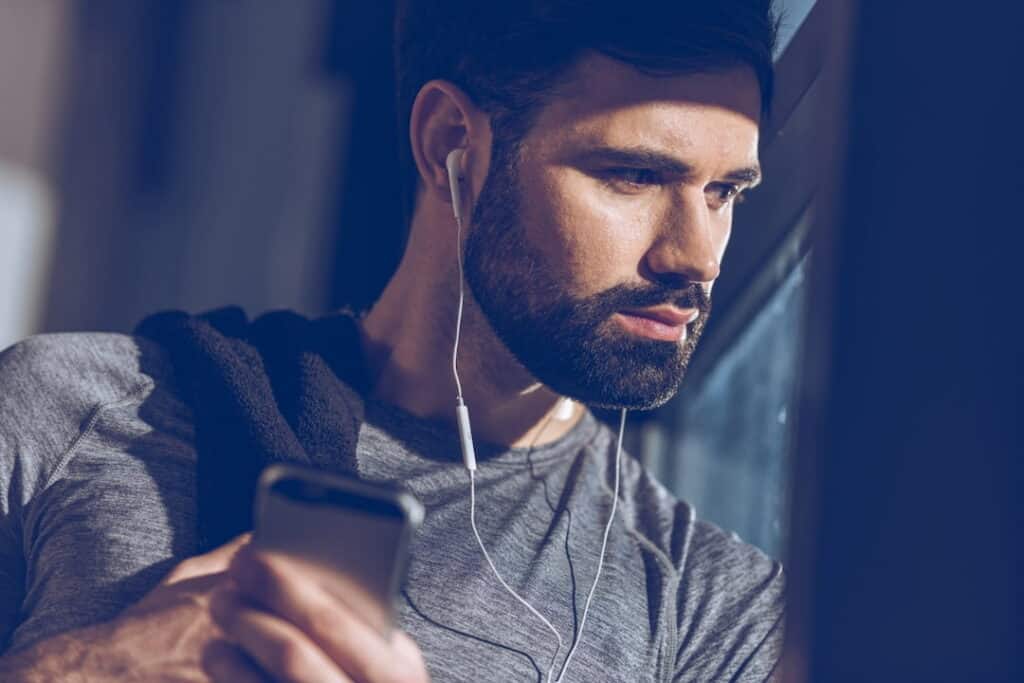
(212, 562)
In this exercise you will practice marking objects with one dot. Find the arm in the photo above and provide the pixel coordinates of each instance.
(167, 636)
(60, 658)
(196, 624)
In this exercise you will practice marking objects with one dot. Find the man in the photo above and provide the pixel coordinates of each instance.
(603, 150)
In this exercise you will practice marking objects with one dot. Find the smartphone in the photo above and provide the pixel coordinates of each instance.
(353, 537)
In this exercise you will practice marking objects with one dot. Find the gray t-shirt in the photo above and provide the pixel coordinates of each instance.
(97, 502)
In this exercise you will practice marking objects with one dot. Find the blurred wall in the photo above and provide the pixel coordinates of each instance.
(200, 146)
(32, 43)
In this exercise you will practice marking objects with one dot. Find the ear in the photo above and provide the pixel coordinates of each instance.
(444, 118)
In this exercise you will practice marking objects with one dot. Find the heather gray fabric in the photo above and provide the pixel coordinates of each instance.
(97, 485)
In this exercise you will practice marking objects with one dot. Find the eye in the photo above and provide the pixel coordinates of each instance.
(723, 193)
(631, 178)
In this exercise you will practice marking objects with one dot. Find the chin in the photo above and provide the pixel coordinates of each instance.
(631, 403)
(608, 394)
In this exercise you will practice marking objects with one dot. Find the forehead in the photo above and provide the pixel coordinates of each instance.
(609, 101)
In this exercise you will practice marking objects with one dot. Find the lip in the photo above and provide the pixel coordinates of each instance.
(663, 323)
(665, 314)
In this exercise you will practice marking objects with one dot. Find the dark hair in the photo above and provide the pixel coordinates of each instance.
(508, 55)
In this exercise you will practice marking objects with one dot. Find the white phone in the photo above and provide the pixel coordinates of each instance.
(353, 536)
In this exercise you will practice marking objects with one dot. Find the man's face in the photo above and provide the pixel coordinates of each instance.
(594, 245)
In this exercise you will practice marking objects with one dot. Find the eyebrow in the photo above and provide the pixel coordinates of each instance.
(663, 163)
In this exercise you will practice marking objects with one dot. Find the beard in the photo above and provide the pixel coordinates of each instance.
(570, 344)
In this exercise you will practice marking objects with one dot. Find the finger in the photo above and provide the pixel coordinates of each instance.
(280, 648)
(225, 663)
(283, 588)
(217, 560)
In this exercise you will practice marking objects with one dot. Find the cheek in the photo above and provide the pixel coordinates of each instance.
(594, 239)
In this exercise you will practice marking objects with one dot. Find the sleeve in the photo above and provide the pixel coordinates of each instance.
(24, 405)
(763, 663)
(52, 388)
(12, 570)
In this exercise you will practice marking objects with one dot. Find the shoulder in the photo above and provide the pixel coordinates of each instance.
(728, 594)
(714, 564)
(734, 583)
(96, 465)
(731, 604)
(64, 376)
(668, 525)
(659, 521)
(671, 526)
(53, 385)
(102, 366)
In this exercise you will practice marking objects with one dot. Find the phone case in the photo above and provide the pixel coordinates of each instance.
(353, 537)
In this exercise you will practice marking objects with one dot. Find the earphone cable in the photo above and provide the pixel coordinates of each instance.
(458, 320)
(467, 445)
(604, 548)
(512, 592)
(472, 477)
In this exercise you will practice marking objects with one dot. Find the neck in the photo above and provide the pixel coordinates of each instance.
(408, 338)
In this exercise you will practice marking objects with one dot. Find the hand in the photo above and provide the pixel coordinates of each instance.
(168, 636)
(297, 632)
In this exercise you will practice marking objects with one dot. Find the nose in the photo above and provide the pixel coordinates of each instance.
(686, 245)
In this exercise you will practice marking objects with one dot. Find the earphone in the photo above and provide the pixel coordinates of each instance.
(564, 410)
(453, 162)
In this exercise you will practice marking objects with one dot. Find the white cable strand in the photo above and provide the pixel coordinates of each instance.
(472, 496)
(604, 547)
(472, 478)
(472, 522)
(458, 319)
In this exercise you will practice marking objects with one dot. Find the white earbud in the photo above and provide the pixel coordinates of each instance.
(454, 164)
